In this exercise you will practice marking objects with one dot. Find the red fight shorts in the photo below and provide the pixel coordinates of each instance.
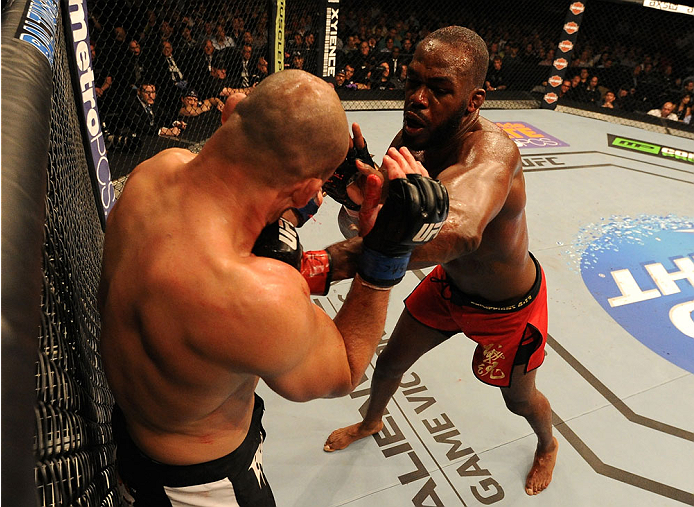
(507, 333)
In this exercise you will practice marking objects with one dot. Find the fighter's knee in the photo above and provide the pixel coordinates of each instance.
(517, 405)
(387, 367)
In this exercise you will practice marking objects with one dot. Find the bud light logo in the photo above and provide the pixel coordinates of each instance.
(641, 271)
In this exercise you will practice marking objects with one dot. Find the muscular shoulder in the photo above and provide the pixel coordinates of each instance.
(252, 314)
(488, 145)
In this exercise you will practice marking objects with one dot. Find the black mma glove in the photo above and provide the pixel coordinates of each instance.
(345, 174)
(412, 215)
(279, 240)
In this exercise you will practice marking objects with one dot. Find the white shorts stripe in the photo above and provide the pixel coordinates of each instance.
(212, 494)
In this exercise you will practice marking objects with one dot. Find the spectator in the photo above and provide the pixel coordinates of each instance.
(576, 91)
(144, 117)
(626, 99)
(349, 50)
(168, 77)
(528, 57)
(584, 60)
(666, 111)
(191, 105)
(297, 61)
(684, 107)
(221, 40)
(592, 93)
(241, 69)
(238, 27)
(387, 46)
(339, 83)
(363, 64)
(565, 89)
(401, 78)
(130, 74)
(395, 60)
(310, 53)
(261, 71)
(407, 47)
(198, 66)
(548, 59)
(511, 63)
(380, 78)
(496, 78)
(609, 100)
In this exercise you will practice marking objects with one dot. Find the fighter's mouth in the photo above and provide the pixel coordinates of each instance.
(413, 124)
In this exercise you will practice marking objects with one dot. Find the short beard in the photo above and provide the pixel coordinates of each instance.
(439, 137)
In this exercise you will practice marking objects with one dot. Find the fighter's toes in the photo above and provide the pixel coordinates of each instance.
(343, 437)
(540, 474)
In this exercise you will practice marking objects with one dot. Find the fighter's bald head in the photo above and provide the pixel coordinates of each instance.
(292, 125)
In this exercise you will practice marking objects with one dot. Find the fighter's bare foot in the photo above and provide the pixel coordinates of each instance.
(540, 474)
(340, 439)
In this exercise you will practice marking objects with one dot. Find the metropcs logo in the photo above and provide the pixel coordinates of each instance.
(641, 271)
(647, 148)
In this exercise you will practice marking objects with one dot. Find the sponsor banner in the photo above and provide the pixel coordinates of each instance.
(77, 31)
(641, 272)
(564, 53)
(38, 26)
(277, 61)
(332, 11)
(648, 148)
(670, 7)
(526, 136)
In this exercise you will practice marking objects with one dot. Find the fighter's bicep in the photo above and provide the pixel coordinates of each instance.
(303, 354)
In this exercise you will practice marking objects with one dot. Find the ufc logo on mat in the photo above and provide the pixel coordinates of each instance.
(427, 232)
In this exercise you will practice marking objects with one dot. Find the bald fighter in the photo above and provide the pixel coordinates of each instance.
(485, 284)
(201, 293)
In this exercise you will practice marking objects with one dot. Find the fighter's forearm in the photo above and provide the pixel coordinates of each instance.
(361, 321)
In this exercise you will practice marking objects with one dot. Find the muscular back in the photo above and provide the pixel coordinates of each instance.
(484, 243)
(162, 246)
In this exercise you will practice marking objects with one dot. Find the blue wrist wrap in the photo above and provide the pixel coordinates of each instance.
(382, 270)
(306, 212)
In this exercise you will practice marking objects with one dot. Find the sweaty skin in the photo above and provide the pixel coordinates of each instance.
(483, 245)
(191, 320)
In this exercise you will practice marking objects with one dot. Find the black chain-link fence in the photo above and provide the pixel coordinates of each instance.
(73, 445)
(184, 58)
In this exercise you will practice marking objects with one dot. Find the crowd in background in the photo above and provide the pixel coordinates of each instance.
(160, 65)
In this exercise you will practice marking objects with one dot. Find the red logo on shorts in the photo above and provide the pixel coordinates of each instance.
(566, 46)
(560, 63)
(577, 8)
(571, 27)
(551, 97)
(555, 81)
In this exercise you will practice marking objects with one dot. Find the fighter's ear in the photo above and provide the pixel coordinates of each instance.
(476, 99)
(305, 191)
(230, 104)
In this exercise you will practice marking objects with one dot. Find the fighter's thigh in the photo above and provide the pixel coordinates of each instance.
(409, 341)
